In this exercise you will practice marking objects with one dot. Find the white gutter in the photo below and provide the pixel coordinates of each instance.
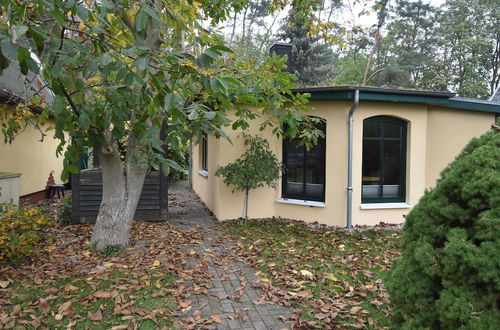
(350, 123)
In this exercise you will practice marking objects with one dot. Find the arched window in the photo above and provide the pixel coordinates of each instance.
(384, 160)
(304, 175)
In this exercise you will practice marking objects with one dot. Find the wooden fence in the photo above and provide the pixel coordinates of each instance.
(87, 194)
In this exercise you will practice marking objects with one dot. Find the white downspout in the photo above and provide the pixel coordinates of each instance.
(349, 158)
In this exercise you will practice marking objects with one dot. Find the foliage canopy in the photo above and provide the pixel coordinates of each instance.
(257, 167)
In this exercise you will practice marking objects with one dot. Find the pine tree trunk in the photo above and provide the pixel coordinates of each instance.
(122, 187)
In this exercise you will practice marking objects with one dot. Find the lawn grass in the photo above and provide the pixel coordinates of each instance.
(69, 285)
(114, 299)
(333, 277)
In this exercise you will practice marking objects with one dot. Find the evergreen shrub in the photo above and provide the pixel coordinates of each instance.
(448, 276)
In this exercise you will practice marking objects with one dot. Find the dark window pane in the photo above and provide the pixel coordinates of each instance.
(392, 130)
(392, 169)
(315, 163)
(314, 191)
(371, 129)
(371, 162)
(392, 162)
(304, 165)
(383, 160)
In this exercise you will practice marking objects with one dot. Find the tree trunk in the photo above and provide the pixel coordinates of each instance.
(381, 19)
(245, 207)
(121, 189)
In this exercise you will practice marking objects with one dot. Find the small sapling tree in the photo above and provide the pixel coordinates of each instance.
(257, 167)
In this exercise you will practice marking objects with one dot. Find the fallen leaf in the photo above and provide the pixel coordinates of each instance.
(120, 327)
(69, 288)
(50, 247)
(265, 279)
(64, 307)
(95, 316)
(216, 318)
(307, 273)
(355, 309)
(4, 284)
(331, 277)
(109, 264)
(103, 294)
(156, 263)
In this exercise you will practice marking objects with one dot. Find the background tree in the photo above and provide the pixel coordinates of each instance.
(408, 52)
(349, 69)
(469, 37)
(257, 167)
(120, 69)
(311, 57)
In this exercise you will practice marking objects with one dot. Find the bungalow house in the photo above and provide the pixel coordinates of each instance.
(382, 149)
(27, 155)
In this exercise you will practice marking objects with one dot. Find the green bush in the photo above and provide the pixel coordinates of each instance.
(448, 276)
(21, 232)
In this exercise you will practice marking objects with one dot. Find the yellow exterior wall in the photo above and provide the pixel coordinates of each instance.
(428, 152)
(449, 131)
(32, 158)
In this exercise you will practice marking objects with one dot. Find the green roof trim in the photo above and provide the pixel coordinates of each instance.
(377, 94)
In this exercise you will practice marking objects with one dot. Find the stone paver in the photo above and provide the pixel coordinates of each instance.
(232, 296)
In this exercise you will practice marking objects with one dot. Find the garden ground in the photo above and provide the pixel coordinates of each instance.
(195, 273)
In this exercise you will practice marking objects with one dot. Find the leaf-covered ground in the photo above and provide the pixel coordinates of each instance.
(333, 278)
(70, 286)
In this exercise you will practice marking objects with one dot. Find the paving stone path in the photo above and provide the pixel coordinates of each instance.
(232, 296)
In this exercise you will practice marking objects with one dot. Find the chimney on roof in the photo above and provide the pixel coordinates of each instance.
(283, 48)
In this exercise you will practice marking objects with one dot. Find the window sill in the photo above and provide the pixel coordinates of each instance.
(203, 173)
(381, 206)
(300, 202)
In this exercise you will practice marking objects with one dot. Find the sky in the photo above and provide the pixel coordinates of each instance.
(372, 19)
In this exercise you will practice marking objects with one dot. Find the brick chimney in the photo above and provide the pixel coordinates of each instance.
(283, 48)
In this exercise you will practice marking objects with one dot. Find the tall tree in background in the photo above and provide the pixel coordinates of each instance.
(312, 57)
(470, 41)
(382, 8)
(120, 69)
(408, 52)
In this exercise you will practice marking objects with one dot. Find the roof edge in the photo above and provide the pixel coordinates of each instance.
(381, 90)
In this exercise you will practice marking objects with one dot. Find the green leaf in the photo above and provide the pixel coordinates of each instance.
(84, 121)
(222, 48)
(21, 30)
(213, 54)
(56, 70)
(210, 115)
(151, 13)
(8, 49)
(26, 62)
(72, 168)
(58, 104)
(204, 60)
(193, 115)
(140, 20)
(107, 4)
(58, 17)
(141, 63)
(82, 12)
